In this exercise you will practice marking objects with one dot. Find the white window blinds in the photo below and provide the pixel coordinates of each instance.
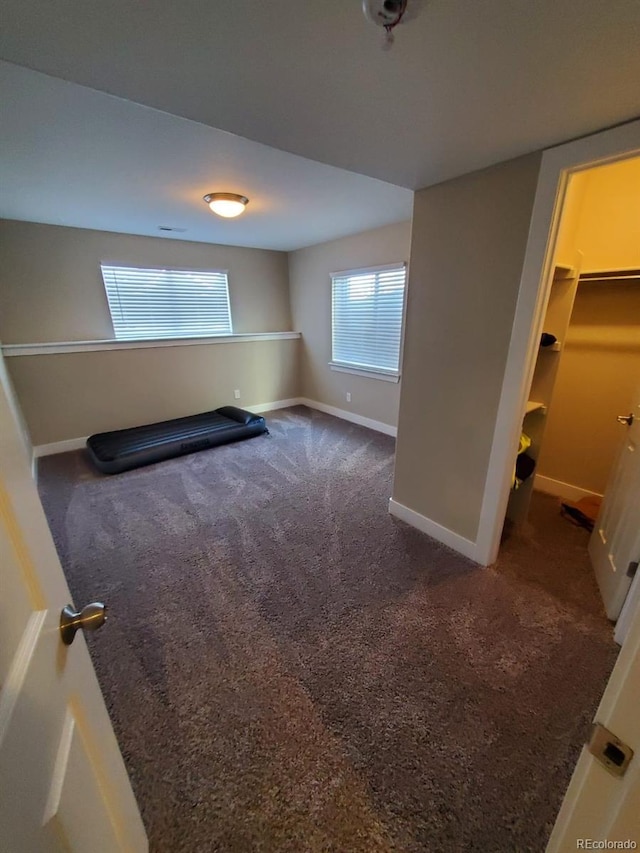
(157, 303)
(367, 310)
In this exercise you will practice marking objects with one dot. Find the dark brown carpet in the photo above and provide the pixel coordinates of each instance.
(288, 668)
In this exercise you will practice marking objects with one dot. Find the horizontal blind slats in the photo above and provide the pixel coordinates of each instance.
(367, 310)
(157, 303)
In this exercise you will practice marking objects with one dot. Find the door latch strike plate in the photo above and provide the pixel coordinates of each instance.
(632, 569)
(610, 751)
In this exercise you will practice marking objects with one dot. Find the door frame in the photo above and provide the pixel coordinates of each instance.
(556, 168)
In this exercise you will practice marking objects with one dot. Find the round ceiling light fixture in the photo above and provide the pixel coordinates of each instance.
(226, 204)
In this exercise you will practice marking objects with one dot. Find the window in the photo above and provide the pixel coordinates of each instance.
(367, 309)
(156, 303)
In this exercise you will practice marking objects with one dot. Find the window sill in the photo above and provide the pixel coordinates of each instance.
(97, 346)
(368, 374)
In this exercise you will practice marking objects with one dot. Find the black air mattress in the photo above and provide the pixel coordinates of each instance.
(113, 452)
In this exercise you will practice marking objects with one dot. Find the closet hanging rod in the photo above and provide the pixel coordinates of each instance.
(611, 275)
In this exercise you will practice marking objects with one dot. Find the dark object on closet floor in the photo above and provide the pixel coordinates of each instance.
(121, 450)
(577, 517)
(582, 513)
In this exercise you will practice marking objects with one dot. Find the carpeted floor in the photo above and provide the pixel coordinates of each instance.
(288, 668)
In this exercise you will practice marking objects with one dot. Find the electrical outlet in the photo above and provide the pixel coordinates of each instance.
(236, 394)
(348, 396)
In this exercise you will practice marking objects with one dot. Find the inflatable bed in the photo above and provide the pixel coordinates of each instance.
(123, 449)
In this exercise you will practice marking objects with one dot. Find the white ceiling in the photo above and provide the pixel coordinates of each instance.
(73, 156)
(467, 84)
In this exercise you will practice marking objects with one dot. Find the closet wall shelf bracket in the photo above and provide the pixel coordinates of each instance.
(563, 271)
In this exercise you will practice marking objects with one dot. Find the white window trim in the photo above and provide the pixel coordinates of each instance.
(367, 372)
(365, 270)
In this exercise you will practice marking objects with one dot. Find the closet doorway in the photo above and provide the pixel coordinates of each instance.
(585, 392)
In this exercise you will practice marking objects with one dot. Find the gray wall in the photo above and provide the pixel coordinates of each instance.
(51, 290)
(71, 395)
(468, 244)
(310, 284)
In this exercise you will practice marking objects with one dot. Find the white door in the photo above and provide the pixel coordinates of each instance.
(598, 805)
(614, 546)
(63, 784)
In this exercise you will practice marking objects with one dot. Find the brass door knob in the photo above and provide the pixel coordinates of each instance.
(625, 419)
(90, 618)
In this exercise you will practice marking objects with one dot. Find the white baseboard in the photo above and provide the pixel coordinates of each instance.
(378, 426)
(59, 447)
(562, 490)
(269, 407)
(442, 534)
(78, 443)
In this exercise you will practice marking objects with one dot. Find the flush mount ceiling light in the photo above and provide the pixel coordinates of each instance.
(227, 204)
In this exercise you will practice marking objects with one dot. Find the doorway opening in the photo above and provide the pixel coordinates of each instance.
(578, 439)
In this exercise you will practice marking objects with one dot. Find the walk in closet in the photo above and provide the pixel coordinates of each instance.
(587, 368)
